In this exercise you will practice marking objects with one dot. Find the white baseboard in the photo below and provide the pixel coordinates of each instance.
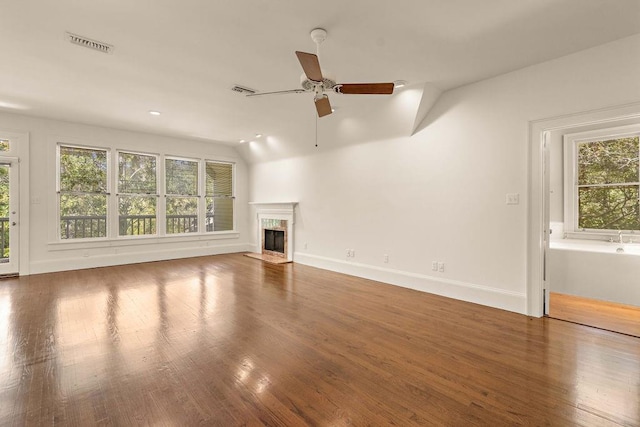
(479, 294)
(105, 260)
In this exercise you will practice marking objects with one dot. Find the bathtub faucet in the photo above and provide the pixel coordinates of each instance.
(620, 237)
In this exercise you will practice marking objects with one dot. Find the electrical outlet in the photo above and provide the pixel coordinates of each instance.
(386, 258)
(434, 265)
(353, 253)
(348, 253)
(441, 267)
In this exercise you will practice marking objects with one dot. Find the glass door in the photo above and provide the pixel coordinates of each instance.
(9, 216)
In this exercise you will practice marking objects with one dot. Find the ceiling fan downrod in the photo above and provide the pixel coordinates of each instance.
(318, 35)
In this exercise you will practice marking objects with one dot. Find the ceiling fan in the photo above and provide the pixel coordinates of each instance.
(312, 80)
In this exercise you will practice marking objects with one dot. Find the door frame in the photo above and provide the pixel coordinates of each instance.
(19, 152)
(538, 183)
(13, 266)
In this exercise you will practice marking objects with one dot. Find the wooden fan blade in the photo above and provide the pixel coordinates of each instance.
(323, 106)
(365, 88)
(310, 65)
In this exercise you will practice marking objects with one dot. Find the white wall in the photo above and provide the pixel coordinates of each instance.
(46, 253)
(440, 194)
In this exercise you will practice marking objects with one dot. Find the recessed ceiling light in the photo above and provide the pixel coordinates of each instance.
(258, 135)
(242, 141)
(399, 83)
(154, 113)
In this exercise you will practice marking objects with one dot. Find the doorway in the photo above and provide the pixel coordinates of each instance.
(9, 215)
(553, 288)
(14, 207)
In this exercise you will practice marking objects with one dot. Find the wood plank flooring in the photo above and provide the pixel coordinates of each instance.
(600, 314)
(225, 340)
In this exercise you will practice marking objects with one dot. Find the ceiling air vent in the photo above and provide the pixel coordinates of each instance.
(91, 44)
(243, 90)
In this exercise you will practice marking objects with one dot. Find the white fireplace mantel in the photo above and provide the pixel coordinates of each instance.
(275, 207)
(276, 210)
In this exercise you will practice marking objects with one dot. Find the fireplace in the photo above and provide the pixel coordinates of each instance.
(274, 231)
(274, 237)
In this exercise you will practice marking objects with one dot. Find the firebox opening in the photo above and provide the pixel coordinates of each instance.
(274, 240)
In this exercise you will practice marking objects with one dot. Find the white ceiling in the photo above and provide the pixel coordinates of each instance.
(182, 59)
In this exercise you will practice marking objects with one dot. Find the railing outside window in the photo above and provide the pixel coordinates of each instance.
(96, 226)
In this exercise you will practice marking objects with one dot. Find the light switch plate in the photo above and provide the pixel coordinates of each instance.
(513, 198)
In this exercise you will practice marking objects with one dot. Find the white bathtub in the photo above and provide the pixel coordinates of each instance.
(594, 269)
(596, 246)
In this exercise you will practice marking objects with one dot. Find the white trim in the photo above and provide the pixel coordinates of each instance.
(101, 259)
(465, 291)
(74, 244)
(536, 189)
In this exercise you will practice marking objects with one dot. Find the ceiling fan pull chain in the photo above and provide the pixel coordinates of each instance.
(316, 116)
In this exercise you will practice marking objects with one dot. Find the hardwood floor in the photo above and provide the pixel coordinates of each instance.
(228, 340)
(600, 314)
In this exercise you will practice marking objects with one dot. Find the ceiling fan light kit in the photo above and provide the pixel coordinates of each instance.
(314, 80)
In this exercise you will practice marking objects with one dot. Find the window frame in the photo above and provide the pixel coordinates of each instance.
(198, 195)
(112, 199)
(116, 220)
(232, 197)
(571, 192)
(107, 193)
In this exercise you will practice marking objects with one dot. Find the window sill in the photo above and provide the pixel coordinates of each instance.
(139, 241)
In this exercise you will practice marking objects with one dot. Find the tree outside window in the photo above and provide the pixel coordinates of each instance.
(608, 184)
(181, 187)
(83, 192)
(137, 194)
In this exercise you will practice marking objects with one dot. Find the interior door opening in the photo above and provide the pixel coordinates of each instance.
(9, 215)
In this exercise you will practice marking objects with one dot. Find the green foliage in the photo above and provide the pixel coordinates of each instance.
(4, 191)
(137, 177)
(136, 174)
(608, 184)
(181, 177)
(4, 145)
(137, 215)
(84, 199)
(83, 170)
(179, 208)
(83, 215)
(4, 210)
(83, 177)
(609, 208)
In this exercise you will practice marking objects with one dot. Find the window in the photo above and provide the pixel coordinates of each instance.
(137, 194)
(219, 196)
(198, 194)
(4, 145)
(83, 191)
(603, 182)
(181, 191)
